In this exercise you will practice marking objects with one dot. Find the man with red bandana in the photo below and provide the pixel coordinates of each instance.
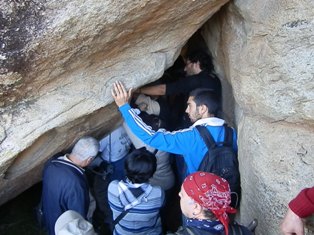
(205, 202)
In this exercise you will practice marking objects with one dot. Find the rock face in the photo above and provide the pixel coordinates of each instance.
(58, 60)
(264, 50)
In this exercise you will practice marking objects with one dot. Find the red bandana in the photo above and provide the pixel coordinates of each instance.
(211, 192)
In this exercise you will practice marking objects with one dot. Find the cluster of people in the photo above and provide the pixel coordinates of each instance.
(134, 193)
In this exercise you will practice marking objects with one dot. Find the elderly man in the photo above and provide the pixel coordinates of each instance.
(65, 185)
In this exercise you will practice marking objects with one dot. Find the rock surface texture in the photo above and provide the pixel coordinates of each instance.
(264, 50)
(58, 60)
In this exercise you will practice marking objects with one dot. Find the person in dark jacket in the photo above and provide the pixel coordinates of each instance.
(200, 73)
(65, 185)
(205, 202)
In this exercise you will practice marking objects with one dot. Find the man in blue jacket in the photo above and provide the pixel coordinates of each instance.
(202, 106)
(65, 185)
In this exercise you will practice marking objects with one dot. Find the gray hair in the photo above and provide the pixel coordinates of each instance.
(86, 147)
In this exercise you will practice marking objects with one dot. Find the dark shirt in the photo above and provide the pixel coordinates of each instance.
(190, 83)
(180, 90)
(65, 188)
(234, 229)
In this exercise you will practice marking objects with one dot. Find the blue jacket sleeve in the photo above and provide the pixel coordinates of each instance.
(235, 141)
(173, 142)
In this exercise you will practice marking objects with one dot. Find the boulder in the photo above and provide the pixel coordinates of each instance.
(264, 53)
(58, 61)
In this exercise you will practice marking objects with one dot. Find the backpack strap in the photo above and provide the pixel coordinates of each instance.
(228, 140)
(209, 140)
(206, 136)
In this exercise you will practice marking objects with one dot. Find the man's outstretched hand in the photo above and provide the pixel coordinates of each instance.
(120, 95)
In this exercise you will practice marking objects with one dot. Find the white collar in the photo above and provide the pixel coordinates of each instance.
(211, 121)
(66, 158)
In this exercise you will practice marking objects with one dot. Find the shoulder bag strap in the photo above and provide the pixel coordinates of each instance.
(109, 159)
(123, 213)
(206, 136)
(155, 152)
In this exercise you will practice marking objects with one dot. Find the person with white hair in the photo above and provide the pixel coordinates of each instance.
(65, 185)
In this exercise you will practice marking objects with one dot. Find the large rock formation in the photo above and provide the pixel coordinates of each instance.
(59, 58)
(264, 50)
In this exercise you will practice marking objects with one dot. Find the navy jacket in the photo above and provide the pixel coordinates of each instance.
(65, 188)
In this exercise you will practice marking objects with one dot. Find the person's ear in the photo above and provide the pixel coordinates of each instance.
(203, 109)
(88, 161)
(198, 209)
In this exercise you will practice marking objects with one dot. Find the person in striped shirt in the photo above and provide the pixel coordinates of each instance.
(135, 199)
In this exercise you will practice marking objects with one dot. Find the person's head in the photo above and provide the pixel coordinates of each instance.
(140, 165)
(71, 222)
(198, 61)
(202, 103)
(153, 120)
(83, 152)
(205, 195)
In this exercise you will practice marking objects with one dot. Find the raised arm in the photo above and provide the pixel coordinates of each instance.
(154, 90)
(174, 142)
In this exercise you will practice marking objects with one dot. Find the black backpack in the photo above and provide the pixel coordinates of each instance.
(222, 160)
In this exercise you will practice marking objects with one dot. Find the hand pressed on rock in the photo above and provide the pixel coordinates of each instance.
(120, 95)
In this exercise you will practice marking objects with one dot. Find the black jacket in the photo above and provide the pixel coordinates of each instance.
(234, 229)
